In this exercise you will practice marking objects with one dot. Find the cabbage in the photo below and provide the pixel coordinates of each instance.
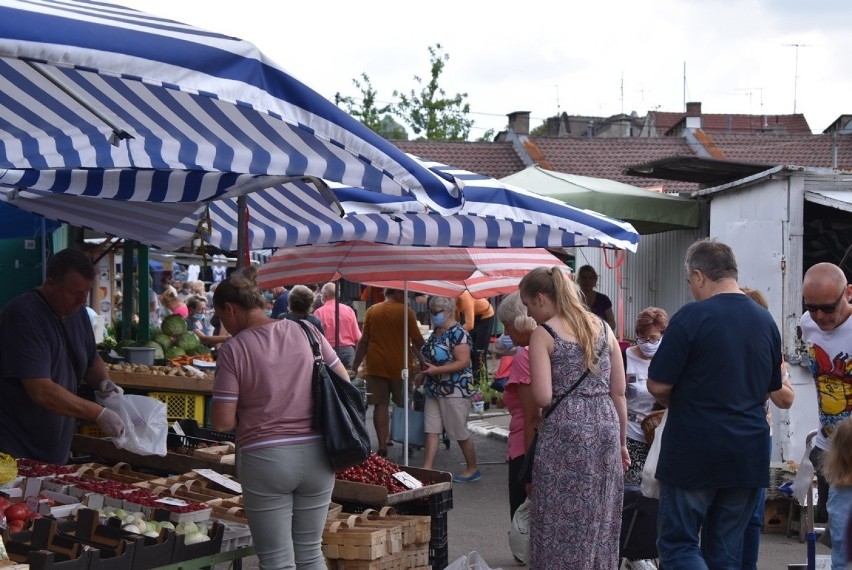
(173, 325)
(187, 341)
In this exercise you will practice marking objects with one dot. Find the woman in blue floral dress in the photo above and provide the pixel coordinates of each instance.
(448, 382)
(581, 452)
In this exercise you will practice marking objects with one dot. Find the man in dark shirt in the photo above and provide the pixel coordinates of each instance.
(717, 362)
(47, 347)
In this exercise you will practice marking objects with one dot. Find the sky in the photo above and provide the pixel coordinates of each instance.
(582, 58)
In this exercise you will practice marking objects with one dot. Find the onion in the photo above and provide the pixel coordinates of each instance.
(131, 528)
(167, 524)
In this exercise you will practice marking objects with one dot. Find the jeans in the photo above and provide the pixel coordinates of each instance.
(839, 512)
(287, 490)
(751, 540)
(817, 456)
(719, 515)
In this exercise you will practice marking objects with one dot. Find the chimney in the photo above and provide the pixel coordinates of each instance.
(693, 115)
(519, 122)
(693, 109)
(553, 125)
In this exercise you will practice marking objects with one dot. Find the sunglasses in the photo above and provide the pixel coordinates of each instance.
(827, 309)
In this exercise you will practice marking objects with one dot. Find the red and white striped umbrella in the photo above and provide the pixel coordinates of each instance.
(367, 262)
(479, 285)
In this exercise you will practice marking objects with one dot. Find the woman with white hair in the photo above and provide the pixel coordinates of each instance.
(517, 394)
(448, 380)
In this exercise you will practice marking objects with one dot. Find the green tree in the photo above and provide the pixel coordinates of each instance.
(430, 113)
(367, 111)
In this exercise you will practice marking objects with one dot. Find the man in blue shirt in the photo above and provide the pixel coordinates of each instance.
(717, 362)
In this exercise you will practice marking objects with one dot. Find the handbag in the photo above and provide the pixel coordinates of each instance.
(525, 473)
(339, 413)
(650, 485)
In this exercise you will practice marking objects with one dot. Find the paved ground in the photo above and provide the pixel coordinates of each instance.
(479, 519)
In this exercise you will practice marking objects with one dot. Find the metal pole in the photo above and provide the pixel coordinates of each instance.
(242, 249)
(143, 274)
(405, 375)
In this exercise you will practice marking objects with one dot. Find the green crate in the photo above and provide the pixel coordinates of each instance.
(182, 406)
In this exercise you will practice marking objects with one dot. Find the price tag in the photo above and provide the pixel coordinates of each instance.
(178, 429)
(407, 480)
(172, 501)
(220, 479)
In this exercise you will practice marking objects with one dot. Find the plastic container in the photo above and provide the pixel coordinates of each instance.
(182, 406)
(139, 355)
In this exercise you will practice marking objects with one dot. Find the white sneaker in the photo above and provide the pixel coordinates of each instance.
(640, 565)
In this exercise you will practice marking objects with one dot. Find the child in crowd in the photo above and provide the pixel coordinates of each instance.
(838, 473)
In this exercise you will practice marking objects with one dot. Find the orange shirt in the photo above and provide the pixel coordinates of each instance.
(470, 308)
(383, 327)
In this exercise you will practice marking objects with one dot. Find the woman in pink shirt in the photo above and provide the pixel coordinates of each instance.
(525, 415)
(263, 390)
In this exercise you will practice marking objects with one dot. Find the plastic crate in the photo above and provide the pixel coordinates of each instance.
(192, 429)
(236, 536)
(176, 441)
(439, 555)
(440, 529)
(182, 406)
(91, 430)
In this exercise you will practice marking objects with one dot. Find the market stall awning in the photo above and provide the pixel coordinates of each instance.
(101, 97)
(649, 212)
(298, 213)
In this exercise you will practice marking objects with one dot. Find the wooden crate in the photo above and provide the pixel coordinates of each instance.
(415, 555)
(393, 543)
(416, 529)
(344, 539)
(387, 562)
(377, 495)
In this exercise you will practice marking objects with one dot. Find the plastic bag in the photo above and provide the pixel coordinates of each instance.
(145, 424)
(519, 532)
(804, 479)
(650, 485)
(472, 561)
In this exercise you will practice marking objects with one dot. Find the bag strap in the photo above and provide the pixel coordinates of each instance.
(314, 344)
(553, 405)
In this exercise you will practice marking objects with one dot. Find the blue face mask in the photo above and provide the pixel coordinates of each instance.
(198, 316)
(438, 320)
(268, 312)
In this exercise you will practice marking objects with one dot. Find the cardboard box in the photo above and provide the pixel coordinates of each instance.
(776, 515)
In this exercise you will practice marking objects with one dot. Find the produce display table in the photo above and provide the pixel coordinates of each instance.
(159, 382)
(171, 463)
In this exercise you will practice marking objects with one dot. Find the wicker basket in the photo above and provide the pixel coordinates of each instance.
(650, 423)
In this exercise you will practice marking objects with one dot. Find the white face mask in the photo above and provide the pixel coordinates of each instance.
(649, 349)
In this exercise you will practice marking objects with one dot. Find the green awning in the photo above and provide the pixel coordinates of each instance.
(648, 211)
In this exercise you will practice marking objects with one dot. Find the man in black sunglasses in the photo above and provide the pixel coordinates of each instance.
(827, 331)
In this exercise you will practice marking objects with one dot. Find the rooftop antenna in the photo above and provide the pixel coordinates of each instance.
(558, 106)
(796, 72)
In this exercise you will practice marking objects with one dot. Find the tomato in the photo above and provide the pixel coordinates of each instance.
(4, 502)
(16, 512)
(16, 526)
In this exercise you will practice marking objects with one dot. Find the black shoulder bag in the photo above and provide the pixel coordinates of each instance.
(339, 412)
(525, 474)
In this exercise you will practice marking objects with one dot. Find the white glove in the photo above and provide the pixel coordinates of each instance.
(108, 388)
(110, 423)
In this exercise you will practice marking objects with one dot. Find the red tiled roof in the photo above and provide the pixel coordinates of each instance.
(727, 123)
(664, 120)
(606, 158)
(798, 150)
(494, 159)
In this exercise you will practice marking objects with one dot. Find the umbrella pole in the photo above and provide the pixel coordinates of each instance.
(405, 375)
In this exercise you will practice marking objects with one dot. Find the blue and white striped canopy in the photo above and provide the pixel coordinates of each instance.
(103, 95)
(298, 213)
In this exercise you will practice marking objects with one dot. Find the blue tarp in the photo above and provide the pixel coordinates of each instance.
(16, 223)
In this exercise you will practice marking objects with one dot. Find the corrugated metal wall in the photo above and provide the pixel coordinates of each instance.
(651, 277)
